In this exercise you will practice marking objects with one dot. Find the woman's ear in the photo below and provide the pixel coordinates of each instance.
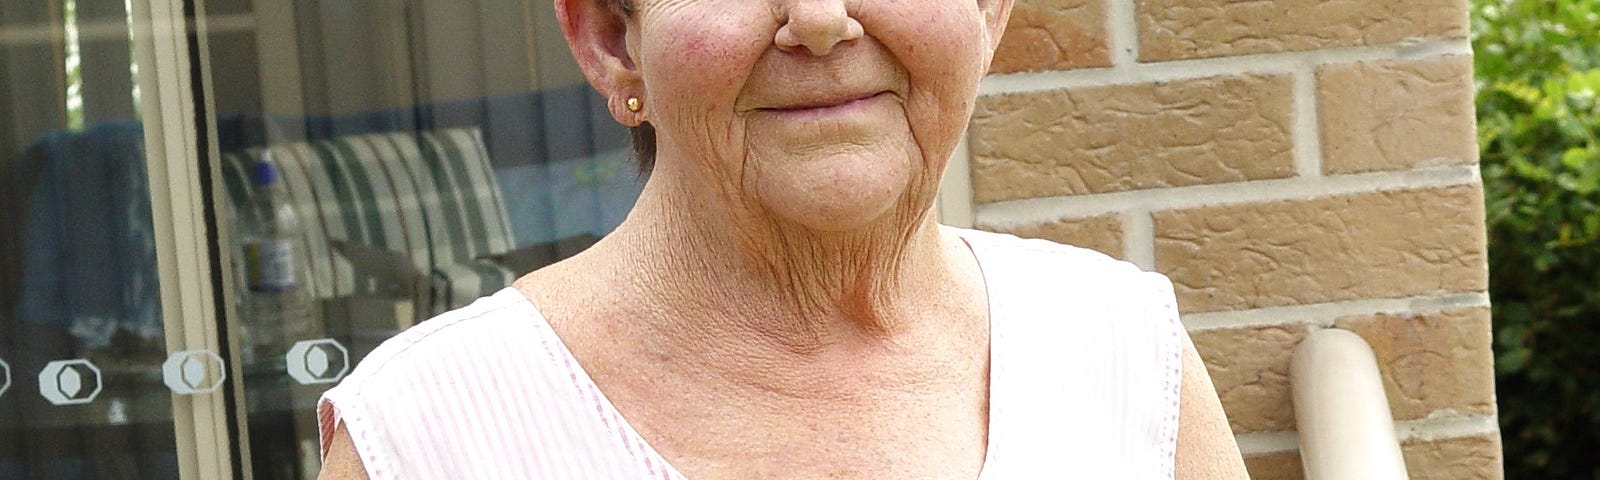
(597, 33)
(995, 13)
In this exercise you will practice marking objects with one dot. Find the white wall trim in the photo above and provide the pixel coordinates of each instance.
(955, 189)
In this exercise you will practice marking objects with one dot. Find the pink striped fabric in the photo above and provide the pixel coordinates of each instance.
(1085, 365)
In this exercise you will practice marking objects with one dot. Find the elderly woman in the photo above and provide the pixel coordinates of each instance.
(781, 303)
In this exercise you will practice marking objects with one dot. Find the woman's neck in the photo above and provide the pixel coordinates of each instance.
(704, 258)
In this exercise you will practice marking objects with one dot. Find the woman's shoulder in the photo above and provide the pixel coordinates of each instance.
(424, 370)
(495, 341)
(459, 395)
(467, 333)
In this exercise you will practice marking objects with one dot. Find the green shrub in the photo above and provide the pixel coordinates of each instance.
(1538, 71)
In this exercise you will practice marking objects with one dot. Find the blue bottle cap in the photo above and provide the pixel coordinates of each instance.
(263, 173)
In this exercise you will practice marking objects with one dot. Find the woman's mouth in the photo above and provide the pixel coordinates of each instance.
(830, 107)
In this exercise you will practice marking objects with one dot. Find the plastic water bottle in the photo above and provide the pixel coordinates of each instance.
(276, 304)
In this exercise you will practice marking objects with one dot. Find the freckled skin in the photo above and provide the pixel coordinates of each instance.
(717, 59)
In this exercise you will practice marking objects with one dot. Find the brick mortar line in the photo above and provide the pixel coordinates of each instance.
(1446, 426)
(1268, 63)
(1123, 30)
(1259, 443)
(1307, 131)
(1324, 314)
(1432, 429)
(1012, 213)
(1139, 244)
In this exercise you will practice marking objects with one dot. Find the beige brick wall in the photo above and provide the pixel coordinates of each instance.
(1292, 166)
(1470, 456)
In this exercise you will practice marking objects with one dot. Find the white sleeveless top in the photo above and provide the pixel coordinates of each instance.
(1084, 375)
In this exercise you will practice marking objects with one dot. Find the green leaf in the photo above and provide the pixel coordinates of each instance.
(1537, 65)
(1513, 360)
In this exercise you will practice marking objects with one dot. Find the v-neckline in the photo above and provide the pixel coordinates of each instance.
(609, 409)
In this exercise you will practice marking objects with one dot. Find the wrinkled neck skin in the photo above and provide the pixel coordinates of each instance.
(729, 274)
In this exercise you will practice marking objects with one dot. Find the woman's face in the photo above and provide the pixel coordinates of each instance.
(828, 113)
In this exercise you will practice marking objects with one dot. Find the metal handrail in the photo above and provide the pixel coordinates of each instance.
(1341, 412)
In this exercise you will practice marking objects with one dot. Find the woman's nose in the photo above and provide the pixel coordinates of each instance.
(817, 25)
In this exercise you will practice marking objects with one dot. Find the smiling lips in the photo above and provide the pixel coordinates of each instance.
(823, 105)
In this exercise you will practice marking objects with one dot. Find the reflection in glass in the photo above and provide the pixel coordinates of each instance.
(431, 151)
(81, 327)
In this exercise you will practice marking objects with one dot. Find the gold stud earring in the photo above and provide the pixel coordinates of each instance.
(635, 105)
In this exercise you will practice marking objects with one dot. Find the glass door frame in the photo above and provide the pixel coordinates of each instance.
(179, 149)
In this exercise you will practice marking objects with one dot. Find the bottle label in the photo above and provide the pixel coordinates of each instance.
(269, 265)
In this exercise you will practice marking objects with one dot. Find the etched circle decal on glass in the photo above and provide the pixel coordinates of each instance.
(69, 382)
(317, 361)
(5, 377)
(193, 372)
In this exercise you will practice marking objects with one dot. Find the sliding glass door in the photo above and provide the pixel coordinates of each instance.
(211, 210)
(381, 162)
(108, 367)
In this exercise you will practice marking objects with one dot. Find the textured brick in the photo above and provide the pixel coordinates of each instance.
(1054, 35)
(1463, 458)
(1179, 29)
(1128, 137)
(1384, 244)
(1396, 115)
(1432, 361)
(1103, 233)
(1250, 368)
(1275, 466)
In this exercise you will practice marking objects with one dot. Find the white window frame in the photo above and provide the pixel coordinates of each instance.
(178, 213)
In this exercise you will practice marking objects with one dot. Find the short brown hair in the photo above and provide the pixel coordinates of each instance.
(644, 146)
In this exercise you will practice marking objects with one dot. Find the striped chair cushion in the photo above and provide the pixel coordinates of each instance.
(430, 196)
(453, 286)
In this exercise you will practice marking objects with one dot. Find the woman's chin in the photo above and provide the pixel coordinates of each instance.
(851, 202)
(834, 217)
